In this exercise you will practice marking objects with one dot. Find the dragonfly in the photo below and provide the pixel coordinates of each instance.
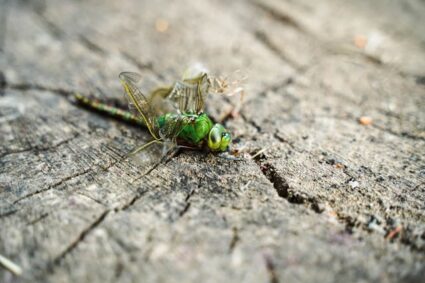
(186, 125)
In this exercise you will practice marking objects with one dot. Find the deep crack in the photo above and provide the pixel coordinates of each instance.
(279, 183)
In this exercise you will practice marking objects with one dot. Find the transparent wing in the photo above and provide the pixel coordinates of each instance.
(189, 94)
(158, 100)
(138, 103)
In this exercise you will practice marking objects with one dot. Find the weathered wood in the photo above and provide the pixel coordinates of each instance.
(325, 199)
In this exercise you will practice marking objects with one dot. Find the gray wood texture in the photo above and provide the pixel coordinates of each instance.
(326, 198)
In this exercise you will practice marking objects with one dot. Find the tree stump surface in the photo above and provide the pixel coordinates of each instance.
(329, 196)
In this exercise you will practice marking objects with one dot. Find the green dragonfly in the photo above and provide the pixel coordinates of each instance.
(184, 126)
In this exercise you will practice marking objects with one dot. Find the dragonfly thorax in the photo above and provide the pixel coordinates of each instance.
(196, 130)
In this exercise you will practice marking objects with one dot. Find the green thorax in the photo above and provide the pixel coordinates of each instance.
(194, 128)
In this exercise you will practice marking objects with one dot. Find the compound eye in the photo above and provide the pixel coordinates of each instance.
(225, 141)
(214, 138)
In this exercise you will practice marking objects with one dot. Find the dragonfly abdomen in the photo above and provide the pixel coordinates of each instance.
(110, 110)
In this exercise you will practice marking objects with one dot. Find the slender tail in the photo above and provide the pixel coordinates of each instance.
(109, 110)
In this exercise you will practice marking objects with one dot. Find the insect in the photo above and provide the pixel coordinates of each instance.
(185, 126)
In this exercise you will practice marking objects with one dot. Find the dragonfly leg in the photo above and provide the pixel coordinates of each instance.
(145, 146)
(170, 155)
(189, 147)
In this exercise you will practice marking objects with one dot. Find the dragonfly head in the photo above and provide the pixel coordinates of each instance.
(218, 138)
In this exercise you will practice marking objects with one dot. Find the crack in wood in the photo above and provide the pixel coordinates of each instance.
(400, 135)
(283, 189)
(285, 19)
(53, 185)
(281, 17)
(267, 42)
(38, 219)
(251, 122)
(187, 203)
(8, 213)
(351, 118)
(91, 198)
(40, 149)
(90, 45)
(279, 183)
(331, 48)
(139, 192)
(283, 140)
(147, 173)
(132, 201)
(271, 269)
(80, 237)
(53, 29)
(419, 185)
(3, 82)
(141, 66)
(19, 151)
(185, 209)
(235, 239)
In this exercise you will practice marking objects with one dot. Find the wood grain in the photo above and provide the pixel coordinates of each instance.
(326, 198)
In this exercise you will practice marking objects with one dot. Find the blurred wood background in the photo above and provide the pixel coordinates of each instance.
(334, 107)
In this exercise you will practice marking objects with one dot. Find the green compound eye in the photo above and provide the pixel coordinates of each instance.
(225, 140)
(218, 138)
(214, 138)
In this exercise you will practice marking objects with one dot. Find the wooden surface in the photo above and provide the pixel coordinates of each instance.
(329, 200)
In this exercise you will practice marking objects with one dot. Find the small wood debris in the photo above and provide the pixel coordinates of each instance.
(354, 184)
(259, 153)
(161, 25)
(239, 151)
(339, 165)
(365, 121)
(10, 265)
(393, 233)
(360, 41)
